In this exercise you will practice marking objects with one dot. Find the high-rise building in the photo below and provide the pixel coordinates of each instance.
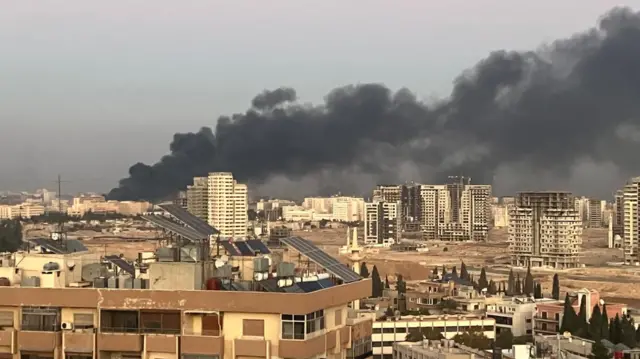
(618, 214)
(545, 229)
(393, 193)
(382, 222)
(228, 205)
(455, 212)
(595, 213)
(631, 230)
(198, 198)
(181, 200)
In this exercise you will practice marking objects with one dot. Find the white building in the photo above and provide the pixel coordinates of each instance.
(455, 212)
(500, 215)
(630, 232)
(382, 223)
(515, 314)
(545, 229)
(347, 209)
(388, 332)
(228, 205)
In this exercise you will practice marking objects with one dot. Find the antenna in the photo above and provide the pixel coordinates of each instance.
(61, 221)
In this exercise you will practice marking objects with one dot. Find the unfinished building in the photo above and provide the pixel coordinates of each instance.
(545, 229)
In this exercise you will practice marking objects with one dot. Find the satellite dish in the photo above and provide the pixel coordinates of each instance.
(567, 335)
(224, 258)
(219, 263)
(71, 264)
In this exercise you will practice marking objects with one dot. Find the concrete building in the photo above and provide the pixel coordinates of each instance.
(515, 314)
(595, 213)
(228, 205)
(388, 332)
(545, 230)
(455, 212)
(298, 214)
(548, 317)
(317, 204)
(500, 215)
(55, 306)
(618, 214)
(24, 210)
(382, 223)
(347, 209)
(198, 198)
(437, 349)
(630, 222)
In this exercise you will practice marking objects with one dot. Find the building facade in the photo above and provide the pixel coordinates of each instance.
(545, 229)
(382, 223)
(455, 212)
(198, 198)
(630, 223)
(228, 205)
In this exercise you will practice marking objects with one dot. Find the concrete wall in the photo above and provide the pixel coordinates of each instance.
(179, 275)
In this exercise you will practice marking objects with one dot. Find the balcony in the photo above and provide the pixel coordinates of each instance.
(78, 341)
(202, 344)
(114, 341)
(35, 341)
(301, 349)
(7, 339)
(161, 343)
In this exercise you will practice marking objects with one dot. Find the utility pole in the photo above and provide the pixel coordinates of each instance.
(61, 214)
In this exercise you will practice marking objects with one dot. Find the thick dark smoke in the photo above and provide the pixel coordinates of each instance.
(566, 116)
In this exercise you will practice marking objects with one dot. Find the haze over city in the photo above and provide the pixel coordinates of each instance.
(119, 80)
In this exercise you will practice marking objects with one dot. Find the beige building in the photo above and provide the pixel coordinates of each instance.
(382, 223)
(347, 209)
(198, 198)
(228, 205)
(317, 204)
(455, 212)
(500, 215)
(545, 229)
(631, 232)
(431, 349)
(24, 210)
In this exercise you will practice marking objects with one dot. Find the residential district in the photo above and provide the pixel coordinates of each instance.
(442, 271)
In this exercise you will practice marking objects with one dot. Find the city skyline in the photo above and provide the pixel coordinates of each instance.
(134, 108)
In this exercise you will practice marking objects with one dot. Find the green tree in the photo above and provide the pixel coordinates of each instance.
(569, 317)
(604, 323)
(419, 334)
(434, 274)
(615, 330)
(628, 332)
(555, 291)
(599, 351)
(483, 282)
(364, 271)
(582, 326)
(444, 270)
(518, 290)
(638, 334)
(376, 283)
(492, 288)
(528, 283)
(473, 339)
(504, 340)
(464, 274)
(511, 284)
(595, 323)
(401, 285)
(10, 235)
(454, 272)
(537, 292)
(386, 282)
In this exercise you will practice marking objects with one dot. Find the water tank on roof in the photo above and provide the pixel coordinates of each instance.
(260, 265)
(51, 266)
(286, 269)
(31, 282)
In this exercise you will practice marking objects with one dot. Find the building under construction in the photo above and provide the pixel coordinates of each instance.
(545, 229)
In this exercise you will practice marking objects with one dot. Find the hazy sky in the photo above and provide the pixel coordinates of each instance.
(87, 88)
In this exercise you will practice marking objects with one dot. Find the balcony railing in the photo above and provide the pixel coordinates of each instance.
(127, 330)
(204, 332)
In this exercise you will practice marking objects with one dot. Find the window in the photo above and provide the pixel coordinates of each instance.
(6, 319)
(253, 327)
(298, 326)
(44, 319)
(83, 320)
(195, 356)
(338, 319)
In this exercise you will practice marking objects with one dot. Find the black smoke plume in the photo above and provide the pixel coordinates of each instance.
(565, 116)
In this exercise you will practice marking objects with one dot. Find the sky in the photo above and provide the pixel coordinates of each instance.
(88, 88)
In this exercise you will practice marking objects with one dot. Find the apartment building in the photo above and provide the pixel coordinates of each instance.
(545, 229)
(631, 225)
(432, 349)
(228, 205)
(198, 198)
(516, 314)
(80, 305)
(347, 209)
(382, 222)
(455, 212)
(388, 332)
(24, 210)
(595, 213)
(548, 317)
(618, 214)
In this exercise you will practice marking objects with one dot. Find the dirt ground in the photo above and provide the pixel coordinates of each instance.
(615, 283)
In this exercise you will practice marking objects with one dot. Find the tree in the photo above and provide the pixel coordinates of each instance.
(401, 286)
(504, 340)
(473, 339)
(638, 334)
(386, 282)
(492, 287)
(628, 332)
(555, 291)
(10, 235)
(528, 282)
(364, 271)
(482, 282)
(615, 330)
(582, 325)
(599, 351)
(511, 284)
(595, 323)
(444, 270)
(454, 272)
(376, 283)
(434, 274)
(537, 292)
(464, 274)
(569, 317)
(518, 290)
(419, 334)
(604, 323)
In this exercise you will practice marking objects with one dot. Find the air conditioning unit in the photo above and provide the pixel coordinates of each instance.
(66, 326)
